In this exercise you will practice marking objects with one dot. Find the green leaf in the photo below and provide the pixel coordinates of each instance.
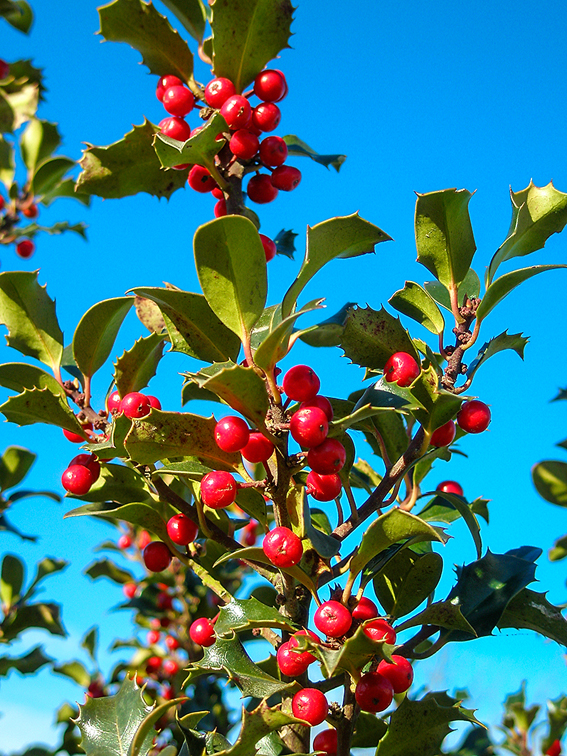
(118, 483)
(19, 376)
(558, 550)
(537, 213)
(440, 405)
(49, 174)
(253, 503)
(17, 107)
(192, 326)
(148, 727)
(199, 149)
(137, 366)
(7, 163)
(247, 34)
(108, 725)
(444, 235)
(140, 25)
(97, 331)
(245, 614)
(550, 480)
(418, 728)
(109, 569)
(407, 580)
(436, 511)
(90, 642)
(370, 337)
(128, 167)
(285, 242)
(46, 567)
(386, 395)
(9, 528)
(75, 671)
(58, 228)
(416, 303)
(469, 288)
(296, 146)
(348, 236)
(256, 725)
(231, 266)
(11, 580)
(29, 315)
(369, 729)
(533, 611)
(26, 664)
(502, 286)
(256, 554)
(15, 464)
(19, 14)
(65, 188)
(40, 406)
(329, 332)
(191, 13)
(514, 341)
(446, 614)
(42, 616)
(277, 343)
(139, 513)
(38, 141)
(149, 314)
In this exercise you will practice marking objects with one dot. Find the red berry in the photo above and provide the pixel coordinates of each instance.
(270, 85)
(283, 547)
(152, 637)
(170, 667)
(270, 248)
(400, 673)
(290, 662)
(135, 405)
(244, 144)
(31, 211)
(143, 539)
(261, 190)
(217, 193)
(450, 486)
(379, 629)
(218, 489)
(157, 556)
(309, 426)
(25, 248)
(2, 200)
(305, 655)
(167, 693)
(329, 457)
(166, 82)
(90, 461)
(266, 116)
(322, 402)
(95, 690)
(4, 69)
(181, 529)
(444, 435)
(301, 383)
(164, 601)
(258, 449)
(171, 642)
(124, 542)
(113, 402)
(232, 433)
(286, 178)
(154, 402)
(202, 631)
(220, 209)
(75, 438)
(365, 610)
(77, 480)
(554, 749)
(273, 151)
(178, 100)
(176, 128)
(153, 665)
(236, 111)
(129, 590)
(323, 487)
(200, 179)
(326, 741)
(218, 91)
(373, 692)
(474, 416)
(401, 368)
(249, 534)
(333, 619)
(310, 705)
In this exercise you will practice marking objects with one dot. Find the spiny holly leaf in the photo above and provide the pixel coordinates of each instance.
(40, 615)
(296, 146)
(469, 287)
(38, 141)
(418, 728)
(347, 236)
(256, 725)
(97, 331)
(285, 242)
(245, 614)
(389, 396)
(369, 729)
(58, 228)
(137, 366)
(231, 266)
(19, 376)
(192, 326)
(191, 13)
(444, 235)
(18, 13)
(246, 35)
(370, 337)
(329, 332)
(416, 303)
(550, 480)
(40, 406)
(29, 315)
(537, 213)
(136, 513)
(108, 569)
(445, 614)
(407, 580)
(514, 341)
(140, 25)
(108, 725)
(15, 464)
(127, 167)
(532, 610)
(147, 729)
(23, 72)
(26, 664)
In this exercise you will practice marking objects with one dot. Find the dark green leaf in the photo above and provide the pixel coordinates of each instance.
(137, 366)
(416, 303)
(38, 141)
(19, 376)
(26, 664)
(533, 611)
(191, 13)
(470, 287)
(7, 162)
(57, 228)
(407, 580)
(437, 511)
(9, 528)
(108, 569)
(253, 503)
(46, 567)
(285, 243)
(559, 549)
(501, 287)
(256, 725)
(19, 14)
(11, 580)
(277, 343)
(40, 406)
(15, 464)
(90, 642)
(514, 341)
(42, 616)
(296, 146)
(369, 729)
(245, 614)
(65, 189)
(97, 331)
(446, 614)
(329, 332)
(192, 392)
(550, 480)
(143, 515)
(370, 337)
(49, 174)
(75, 671)
(388, 396)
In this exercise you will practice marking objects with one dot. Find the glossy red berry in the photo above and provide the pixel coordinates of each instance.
(113, 402)
(290, 662)
(270, 85)
(400, 673)
(554, 749)
(171, 642)
(135, 405)
(95, 690)
(401, 368)
(309, 426)
(450, 486)
(365, 610)
(178, 100)
(75, 438)
(244, 144)
(170, 667)
(301, 383)
(379, 629)
(474, 416)
(218, 91)
(270, 248)
(327, 458)
(90, 461)
(124, 542)
(153, 665)
(25, 248)
(322, 402)
(323, 487)
(200, 179)
(333, 619)
(326, 741)
(305, 655)
(236, 111)
(77, 479)
(283, 547)
(310, 705)
(152, 637)
(31, 212)
(286, 178)
(154, 402)
(444, 435)
(181, 529)
(373, 692)
(129, 590)
(266, 116)
(202, 631)
(157, 556)
(273, 151)
(176, 128)
(258, 448)
(220, 209)
(166, 82)
(261, 190)
(231, 433)
(218, 489)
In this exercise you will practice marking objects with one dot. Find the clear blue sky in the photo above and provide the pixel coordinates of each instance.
(420, 97)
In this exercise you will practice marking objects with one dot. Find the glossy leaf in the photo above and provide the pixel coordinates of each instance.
(26, 664)
(50, 173)
(444, 235)
(136, 513)
(257, 724)
(231, 266)
(134, 369)
(502, 286)
(11, 579)
(386, 395)
(191, 13)
(199, 149)
(246, 35)
(40, 406)
(407, 580)
(514, 341)
(416, 303)
(256, 554)
(97, 331)
(29, 314)
(15, 464)
(533, 611)
(192, 392)
(550, 480)
(329, 332)
(469, 287)
(245, 614)
(348, 236)
(20, 375)
(147, 728)
(370, 337)
(296, 146)
(253, 503)
(277, 343)
(33, 229)
(65, 188)
(440, 405)
(38, 141)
